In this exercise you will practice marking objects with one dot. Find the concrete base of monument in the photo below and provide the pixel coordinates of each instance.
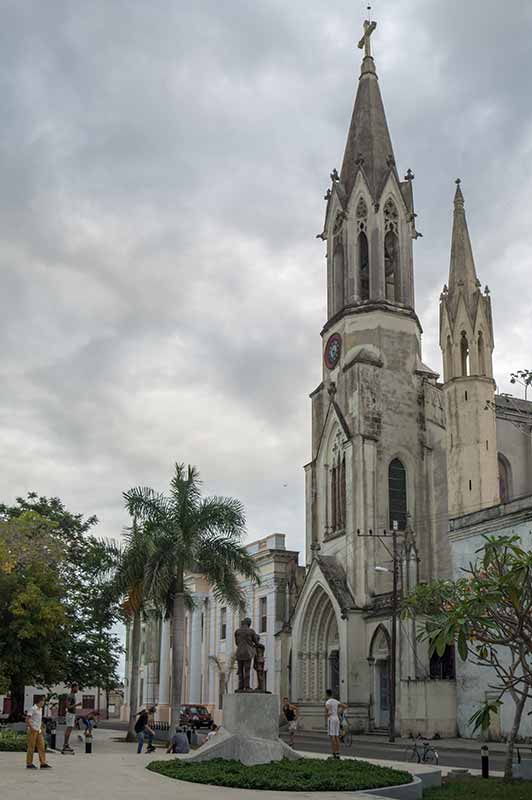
(250, 732)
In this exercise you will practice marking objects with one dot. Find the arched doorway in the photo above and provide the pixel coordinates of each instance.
(379, 660)
(319, 649)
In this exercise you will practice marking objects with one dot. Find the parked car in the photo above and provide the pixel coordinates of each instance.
(196, 716)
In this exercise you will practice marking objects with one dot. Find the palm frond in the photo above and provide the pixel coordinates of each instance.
(147, 505)
(221, 549)
(222, 515)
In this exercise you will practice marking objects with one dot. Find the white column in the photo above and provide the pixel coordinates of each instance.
(194, 658)
(164, 669)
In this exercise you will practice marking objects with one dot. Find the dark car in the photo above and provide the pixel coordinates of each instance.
(196, 716)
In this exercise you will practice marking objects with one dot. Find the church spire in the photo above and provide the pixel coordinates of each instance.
(462, 272)
(369, 145)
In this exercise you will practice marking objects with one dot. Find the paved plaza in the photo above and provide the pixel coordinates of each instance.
(114, 770)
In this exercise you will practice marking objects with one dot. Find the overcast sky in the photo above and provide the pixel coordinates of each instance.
(162, 171)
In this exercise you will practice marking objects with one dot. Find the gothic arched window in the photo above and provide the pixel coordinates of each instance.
(338, 491)
(391, 251)
(481, 356)
(338, 263)
(363, 266)
(505, 489)
(464, 354)
(397, 494)
(363, 250)
(449, 356)
(334, 506)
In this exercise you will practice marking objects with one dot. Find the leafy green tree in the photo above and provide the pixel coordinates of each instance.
(488, 615)
(77, 567)
(191, 534)
(32, 615)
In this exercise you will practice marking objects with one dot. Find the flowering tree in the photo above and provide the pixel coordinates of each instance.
(487, 614)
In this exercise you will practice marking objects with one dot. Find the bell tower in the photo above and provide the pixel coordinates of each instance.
(466, 341)
(369, 221)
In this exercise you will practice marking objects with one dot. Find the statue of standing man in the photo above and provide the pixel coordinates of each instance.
(246, 641)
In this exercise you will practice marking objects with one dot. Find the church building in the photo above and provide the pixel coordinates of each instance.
(395, 452)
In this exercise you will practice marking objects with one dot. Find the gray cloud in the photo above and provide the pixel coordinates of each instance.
(162, 174)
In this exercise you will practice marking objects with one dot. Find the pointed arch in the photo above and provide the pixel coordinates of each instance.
(481, 354)
(363, 266)
(338, 262)
(380, 645)
(449, 359)
(391, 251)
(319, 640)
(397, 495)
(464, 355)
(505, 478)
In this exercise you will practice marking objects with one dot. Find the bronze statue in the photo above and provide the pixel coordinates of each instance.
(258, 665)
(246, 641)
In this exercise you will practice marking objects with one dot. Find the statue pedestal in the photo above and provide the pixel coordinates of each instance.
(250, 732)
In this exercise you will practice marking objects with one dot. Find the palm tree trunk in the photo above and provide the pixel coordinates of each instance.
(134, 684)
(508, 762)
(178, 649)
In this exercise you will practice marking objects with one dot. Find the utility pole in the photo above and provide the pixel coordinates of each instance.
(395, 608)
(395, 598)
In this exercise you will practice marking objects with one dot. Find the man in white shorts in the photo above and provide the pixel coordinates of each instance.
(332, 718)
(70, 717)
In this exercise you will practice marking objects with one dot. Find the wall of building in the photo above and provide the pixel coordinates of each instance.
(473, 684)
(210, 669)
(514, 442)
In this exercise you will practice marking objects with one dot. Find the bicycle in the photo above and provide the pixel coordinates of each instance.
(346, 737)
(422, 752)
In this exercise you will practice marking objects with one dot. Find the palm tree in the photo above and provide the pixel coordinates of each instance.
(131, 560)
(191, 534)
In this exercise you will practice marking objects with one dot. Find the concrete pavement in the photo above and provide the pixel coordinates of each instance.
(115, 770)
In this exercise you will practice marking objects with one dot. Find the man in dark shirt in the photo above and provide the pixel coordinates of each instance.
(70, 716)
(142, 729)
(290, 713)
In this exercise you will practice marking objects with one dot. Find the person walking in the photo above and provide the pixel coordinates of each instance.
(70, 717)
(142, 729)
(332, 709)
(35, 736)
(291, 714)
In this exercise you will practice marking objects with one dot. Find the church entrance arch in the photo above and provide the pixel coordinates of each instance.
(379, 660)
(319, 654)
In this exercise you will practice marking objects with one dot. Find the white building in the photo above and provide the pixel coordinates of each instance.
(210, 668)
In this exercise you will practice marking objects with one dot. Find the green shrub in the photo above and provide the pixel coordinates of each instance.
(13, 741)
(472, 788)
(304, 775)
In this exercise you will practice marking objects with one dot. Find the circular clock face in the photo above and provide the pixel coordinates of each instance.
(333, 348)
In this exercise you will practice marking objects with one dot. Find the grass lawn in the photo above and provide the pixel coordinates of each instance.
(304, 775)
(481, 789)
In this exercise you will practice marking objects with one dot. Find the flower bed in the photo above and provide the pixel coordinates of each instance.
(304, 775)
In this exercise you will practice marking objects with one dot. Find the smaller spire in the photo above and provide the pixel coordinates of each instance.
(462, 272)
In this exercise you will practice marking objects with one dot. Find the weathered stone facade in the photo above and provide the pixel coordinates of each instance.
(392, 446)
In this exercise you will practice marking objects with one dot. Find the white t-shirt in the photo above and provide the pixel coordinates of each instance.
(332, 708)
(35, 714)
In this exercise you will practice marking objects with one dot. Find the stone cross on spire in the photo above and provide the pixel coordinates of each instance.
(365, 42)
